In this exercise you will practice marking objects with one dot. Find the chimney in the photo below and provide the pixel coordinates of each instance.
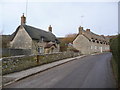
(23, 20)
(87, 30)
(102, 35)
(80, 30)
(50, 28)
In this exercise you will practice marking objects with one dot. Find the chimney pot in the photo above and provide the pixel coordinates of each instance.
(87, 30)
(23, 20)
(50, 28)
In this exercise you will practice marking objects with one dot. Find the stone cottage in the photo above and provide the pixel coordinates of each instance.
(34, 39)
(88, 42)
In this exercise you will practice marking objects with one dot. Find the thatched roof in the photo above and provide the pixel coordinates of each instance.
(37, 34)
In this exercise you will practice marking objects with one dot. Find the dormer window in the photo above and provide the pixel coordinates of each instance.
(101, 42)
(89, 40)
(97, 41)
(42, 38)
(93, 40)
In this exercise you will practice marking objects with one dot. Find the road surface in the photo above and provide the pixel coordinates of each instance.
(93, 71)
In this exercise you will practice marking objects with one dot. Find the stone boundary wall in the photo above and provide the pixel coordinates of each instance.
(13, 52)
(19, 63)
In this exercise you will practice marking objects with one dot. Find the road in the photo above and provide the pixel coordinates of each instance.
(93, 71)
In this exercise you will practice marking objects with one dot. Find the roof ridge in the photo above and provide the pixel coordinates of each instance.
(34, 27)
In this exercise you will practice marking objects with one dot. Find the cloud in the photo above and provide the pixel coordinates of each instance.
(65, 17)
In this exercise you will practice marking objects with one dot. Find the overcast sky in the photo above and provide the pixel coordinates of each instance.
(65, 17)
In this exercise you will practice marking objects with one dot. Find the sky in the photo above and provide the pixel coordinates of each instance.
(64, 17)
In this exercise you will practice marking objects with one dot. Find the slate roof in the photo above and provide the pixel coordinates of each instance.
(37, 34)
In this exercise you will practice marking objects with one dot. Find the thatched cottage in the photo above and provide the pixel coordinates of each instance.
(37, 40)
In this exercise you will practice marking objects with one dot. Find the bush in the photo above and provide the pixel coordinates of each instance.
(115, 49)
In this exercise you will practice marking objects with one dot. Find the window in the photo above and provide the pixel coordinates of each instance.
(93, 40)
(42, 38)
(40, 50)
(95, 47)
(97, 41)
(91, 47)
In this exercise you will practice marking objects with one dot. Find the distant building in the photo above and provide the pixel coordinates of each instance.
(37, 40)
(87, 42)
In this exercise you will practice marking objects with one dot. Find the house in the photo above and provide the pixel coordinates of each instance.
(88, 42)
(28, 37)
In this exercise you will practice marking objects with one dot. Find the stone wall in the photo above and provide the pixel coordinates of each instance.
(14, 52)
(85, 46)
(18, 63)
(22, 40)
(82, 44)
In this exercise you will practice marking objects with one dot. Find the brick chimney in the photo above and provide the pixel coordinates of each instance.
(50, 28)
(23, 20)
(87, 30)
(80, 30)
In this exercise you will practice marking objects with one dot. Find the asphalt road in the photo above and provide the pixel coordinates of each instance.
(88, 72)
